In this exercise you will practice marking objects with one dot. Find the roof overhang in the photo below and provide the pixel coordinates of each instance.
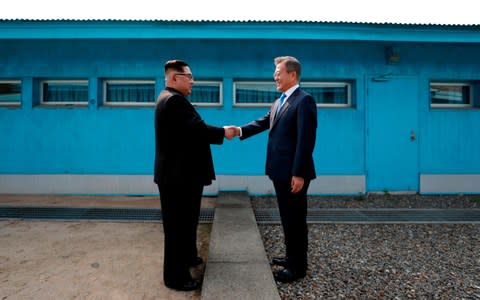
(340, 31)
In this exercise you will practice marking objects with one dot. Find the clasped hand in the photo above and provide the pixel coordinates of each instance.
(231, 131)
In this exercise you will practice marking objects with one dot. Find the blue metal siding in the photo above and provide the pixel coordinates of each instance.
(76, 141)
(451, 142)
(119, 140)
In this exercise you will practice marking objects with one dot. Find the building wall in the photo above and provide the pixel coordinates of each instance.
(71, 149)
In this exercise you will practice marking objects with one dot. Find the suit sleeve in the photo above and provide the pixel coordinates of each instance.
(191, 124)
(306, 133)
(215, 135)
(256, 127)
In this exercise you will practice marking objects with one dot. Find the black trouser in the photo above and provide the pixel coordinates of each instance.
(180, 212)
(293, 213)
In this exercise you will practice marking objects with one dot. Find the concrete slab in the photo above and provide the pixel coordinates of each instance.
(237, 266)
(89, 201)
(244, 280)
(86, 260)
(234, 237)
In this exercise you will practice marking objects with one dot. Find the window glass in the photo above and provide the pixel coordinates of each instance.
(264, 93)
(255, 93)
(10, 92)
(450, 94)
(129, 91)
(329, 93)
(64, 91)
(206, 93)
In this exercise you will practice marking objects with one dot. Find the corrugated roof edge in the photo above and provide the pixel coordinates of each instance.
(241, 21)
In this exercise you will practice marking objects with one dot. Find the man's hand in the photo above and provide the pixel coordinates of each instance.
(231, 131)
(297, 184)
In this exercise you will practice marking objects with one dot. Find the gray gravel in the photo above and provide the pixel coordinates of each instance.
(380, 201)
(384, 261)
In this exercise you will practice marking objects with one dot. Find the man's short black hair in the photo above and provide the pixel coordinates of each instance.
(176, 65)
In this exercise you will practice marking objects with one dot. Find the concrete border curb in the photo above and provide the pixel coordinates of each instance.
(237, 266)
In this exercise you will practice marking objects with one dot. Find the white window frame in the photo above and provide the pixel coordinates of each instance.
(127, 81)
(302, 84)
(63, 103)
(451, 105)
(314, 84)
(260, 82)
(220, 89)
(10, 103)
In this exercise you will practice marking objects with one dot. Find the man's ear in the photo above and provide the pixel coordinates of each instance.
(293, 75)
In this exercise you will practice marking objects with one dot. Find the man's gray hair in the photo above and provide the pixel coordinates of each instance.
(291, 63)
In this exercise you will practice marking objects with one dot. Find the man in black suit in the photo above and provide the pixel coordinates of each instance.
(183, 166)
(292, 121)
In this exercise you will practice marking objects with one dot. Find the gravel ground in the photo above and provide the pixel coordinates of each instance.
(384, 261)
(381, 201)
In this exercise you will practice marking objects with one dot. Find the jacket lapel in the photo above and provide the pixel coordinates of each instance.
(274, 119)
(273, 112)
(280, 113)
(283, 109)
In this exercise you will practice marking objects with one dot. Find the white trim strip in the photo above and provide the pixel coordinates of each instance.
(449, 183)
(144, 185)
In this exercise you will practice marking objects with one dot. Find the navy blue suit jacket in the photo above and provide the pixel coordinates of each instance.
(291, 139)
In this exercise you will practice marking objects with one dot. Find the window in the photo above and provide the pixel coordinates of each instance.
(329, 94)
(449, 94)
(206, 93)
(68, 92)
(10, 92)
(258, 93)
(129, 92)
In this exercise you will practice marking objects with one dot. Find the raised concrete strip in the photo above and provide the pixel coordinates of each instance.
(237, 266)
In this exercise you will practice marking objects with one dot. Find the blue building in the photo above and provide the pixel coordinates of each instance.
(398, 104)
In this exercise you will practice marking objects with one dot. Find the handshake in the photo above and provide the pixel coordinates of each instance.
(231, 131)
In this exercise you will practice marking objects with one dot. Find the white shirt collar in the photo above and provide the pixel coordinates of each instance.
(291, 90)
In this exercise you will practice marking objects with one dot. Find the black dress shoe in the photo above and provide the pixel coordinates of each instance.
(280, 261)
(288, 275)
(196, 262)
(189, 285)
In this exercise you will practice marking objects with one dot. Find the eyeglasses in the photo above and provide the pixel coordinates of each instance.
(188, 75)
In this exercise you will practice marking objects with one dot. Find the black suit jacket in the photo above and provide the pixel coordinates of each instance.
(291, 139)
(182, 142)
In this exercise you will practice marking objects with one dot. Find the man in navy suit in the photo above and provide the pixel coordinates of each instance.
(292, 121)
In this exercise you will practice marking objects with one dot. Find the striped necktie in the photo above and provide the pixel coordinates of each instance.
(280, 103)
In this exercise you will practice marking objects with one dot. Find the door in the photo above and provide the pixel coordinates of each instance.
(391, 137)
